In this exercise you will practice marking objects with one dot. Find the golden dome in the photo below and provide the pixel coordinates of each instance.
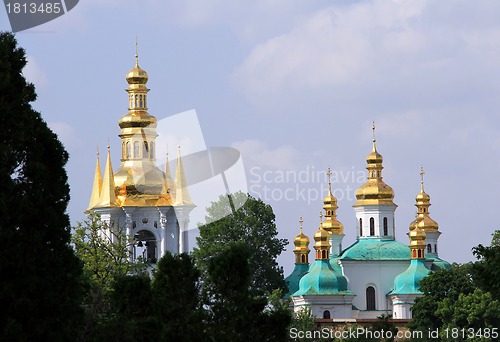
(321, 238)
(417, 238)
(301, 241)
(423, 202)
(375, 191)
(136, 75)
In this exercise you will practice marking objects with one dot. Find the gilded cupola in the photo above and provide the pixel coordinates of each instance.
(322, 244)
(301, 249)
(331, 224)
(423, 202)
(375, 191)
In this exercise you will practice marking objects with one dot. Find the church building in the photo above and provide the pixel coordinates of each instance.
(140, 199)
(375, 275)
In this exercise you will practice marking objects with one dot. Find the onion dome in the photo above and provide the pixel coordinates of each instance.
(408, 282)
(423, 202)
(322, 278)
(136, 75)
(331, 224)
(301, 249)
(375, 191)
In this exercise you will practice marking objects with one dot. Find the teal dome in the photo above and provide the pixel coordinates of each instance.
(322, 280)
(294, 278)
(439, 264)
(334, 262)
(408, 282)
(376, 249)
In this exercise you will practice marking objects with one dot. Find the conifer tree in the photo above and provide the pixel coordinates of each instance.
(40, 289)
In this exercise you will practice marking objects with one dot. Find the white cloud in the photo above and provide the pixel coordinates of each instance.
(372, 49)
(257, 153)
(66, 133)
(34, 73)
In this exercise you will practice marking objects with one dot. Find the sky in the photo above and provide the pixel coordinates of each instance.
(294, 86)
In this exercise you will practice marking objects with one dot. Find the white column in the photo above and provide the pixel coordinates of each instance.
(129, 231)
(163, 230)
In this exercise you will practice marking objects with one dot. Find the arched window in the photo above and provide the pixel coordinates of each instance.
(370, 298)
(140, 101)
(419, 253)
(136, 96)
(128, 150)
(323, 255)
(360, 227)
(435, 248)
(303, 258)
(326, 314)
(429, 248)
(145, 152)
(372, 226)
(136, 149)
(385, 226)
(152, 150)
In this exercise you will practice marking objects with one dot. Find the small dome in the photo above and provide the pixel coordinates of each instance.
(374, 157)
(322, 280)
(301, 241)
(321, 238)
(408, 282)
(422, 197)
(137, 75)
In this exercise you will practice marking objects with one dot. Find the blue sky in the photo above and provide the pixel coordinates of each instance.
(294, 85)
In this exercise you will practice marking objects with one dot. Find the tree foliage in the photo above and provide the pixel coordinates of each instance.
(465, 297)
(237, 310)
(40, 290)
(177, 302)
(253, 224)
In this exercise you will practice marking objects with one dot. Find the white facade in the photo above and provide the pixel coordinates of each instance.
(337, 306)
(401, 305)
(379, 274)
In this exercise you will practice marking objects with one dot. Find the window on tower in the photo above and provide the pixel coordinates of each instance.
(145, 152)
(385, 226)
(372, 226)
(429, 248)
(360, 227)
(128, 150)
(136, 149)
(326, 314)
(152, 150)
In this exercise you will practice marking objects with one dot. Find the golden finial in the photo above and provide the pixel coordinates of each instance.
(301, 221)
(374, 140)
(329, 174)
(136, 51)
(97, 150)
(422, 173)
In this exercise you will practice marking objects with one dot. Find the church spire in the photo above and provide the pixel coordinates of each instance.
(331, 224)
(301, 249)
(375, 191)
(97, 186)
(108, 196)
(181, 191)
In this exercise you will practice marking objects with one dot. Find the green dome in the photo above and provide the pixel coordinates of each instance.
(322, 280)
(293, 279)
(408, 282)
(439, 264)
(334, 262)
(376, 249)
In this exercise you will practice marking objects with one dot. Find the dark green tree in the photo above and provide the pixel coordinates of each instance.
(40, 291)
(176, 299)
(486, 271)
(438, 286)
(253, 224)
(238, 311)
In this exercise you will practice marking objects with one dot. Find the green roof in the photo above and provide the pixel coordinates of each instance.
(408, 282)
(376, 249)
(439, 264)
(293, 279)
(322, 280)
